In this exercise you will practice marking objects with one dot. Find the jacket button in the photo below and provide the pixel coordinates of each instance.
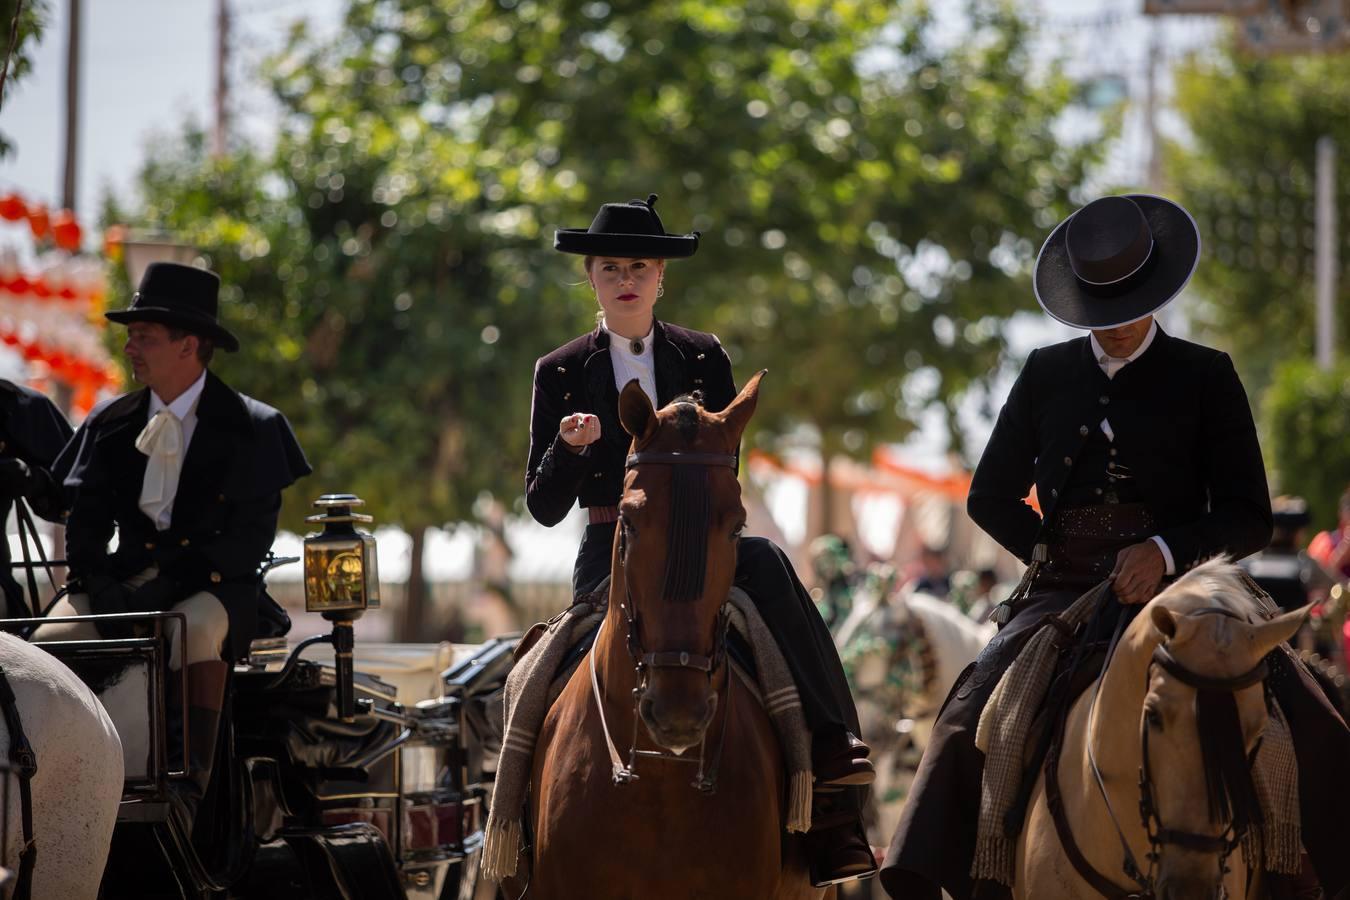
(215, 578)
(149, 545)
(567, 396)
(1103, 399)
(701, 355)
(184, 542)
(1113, 451)
(1110, 467)
(698, 381)
(562, 371)
(1068, 460)
(1054, 492)
(596, 474)
(1097, 491)
(1083, 430)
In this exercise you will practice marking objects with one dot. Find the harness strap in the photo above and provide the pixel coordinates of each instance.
(25, 761)
(1054, 800)
(618, 769)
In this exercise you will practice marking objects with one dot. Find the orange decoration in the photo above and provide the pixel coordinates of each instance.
(12, 207)
(40, 221)
(66, 231)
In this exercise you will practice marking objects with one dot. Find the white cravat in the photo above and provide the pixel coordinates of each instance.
(162, 441)
(165, 440)
(1111, 365)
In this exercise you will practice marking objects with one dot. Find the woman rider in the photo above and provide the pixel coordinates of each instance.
(577, 453)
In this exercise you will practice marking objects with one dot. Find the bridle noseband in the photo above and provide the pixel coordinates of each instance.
(1158, 834)
(645, 662)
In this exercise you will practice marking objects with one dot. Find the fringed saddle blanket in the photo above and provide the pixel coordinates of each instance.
(535, 682)
(1005, 736)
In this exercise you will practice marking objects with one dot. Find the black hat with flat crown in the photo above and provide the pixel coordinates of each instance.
(629, 230)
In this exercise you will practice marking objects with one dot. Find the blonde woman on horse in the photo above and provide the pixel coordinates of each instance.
(577, 453)
(1145, 460)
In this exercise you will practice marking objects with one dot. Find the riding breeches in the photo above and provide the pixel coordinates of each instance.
(208, 625)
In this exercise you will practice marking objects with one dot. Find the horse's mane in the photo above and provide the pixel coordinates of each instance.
(1215, 582)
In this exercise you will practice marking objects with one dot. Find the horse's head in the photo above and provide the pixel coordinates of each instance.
(1202, 717)
(679, 520)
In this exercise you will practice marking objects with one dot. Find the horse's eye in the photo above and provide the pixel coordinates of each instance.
(1152, 718)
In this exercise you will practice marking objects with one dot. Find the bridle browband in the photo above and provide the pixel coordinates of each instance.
(1158, 834)
(644, 662)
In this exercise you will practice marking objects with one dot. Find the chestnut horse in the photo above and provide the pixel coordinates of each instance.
(1155, 779)
(702, 812)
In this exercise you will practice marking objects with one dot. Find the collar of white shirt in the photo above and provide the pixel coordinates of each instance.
(1105, 360)
(622, 345)
(183, 403)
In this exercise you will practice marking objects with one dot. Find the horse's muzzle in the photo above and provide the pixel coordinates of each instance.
(1199, 888)
(677, 725)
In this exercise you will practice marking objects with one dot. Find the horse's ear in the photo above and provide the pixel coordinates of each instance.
(737, 414)
(1268, 635)
(636, 413)
(1163, 620)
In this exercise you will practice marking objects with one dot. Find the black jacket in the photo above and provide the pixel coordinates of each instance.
(242, 455)
(31, 429)
(578, 377)
(1179, 416)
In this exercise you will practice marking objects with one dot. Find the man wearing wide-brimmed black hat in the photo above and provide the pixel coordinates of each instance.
(189, 474)
(1145, 461)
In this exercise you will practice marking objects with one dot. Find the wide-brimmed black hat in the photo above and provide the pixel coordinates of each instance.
(184, 297)
(1116, 260)
(629, 230)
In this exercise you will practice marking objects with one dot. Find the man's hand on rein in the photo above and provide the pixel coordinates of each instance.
(1139, 572)
(579, 430)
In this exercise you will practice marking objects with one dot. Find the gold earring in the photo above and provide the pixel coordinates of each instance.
(660, 289)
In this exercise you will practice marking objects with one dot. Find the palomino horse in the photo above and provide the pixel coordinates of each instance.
(1153, 775)
(658, 676)
(78, 783)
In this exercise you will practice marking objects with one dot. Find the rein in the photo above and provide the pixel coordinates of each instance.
(644, 662)
(1158, 834)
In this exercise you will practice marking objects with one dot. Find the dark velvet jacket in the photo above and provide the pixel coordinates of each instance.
(578, 377)
(1180, 418)
(31, 429)
(241, 456)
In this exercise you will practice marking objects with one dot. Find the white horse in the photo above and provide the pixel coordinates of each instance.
(78, 784)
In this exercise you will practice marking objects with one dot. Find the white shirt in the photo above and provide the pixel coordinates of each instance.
(1112, 365)
(184, 407)
(629, 365)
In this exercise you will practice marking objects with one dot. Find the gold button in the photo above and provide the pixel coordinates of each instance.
(2, 446)
(1068, 460)
(567, 396)
(1083, 430)
(184, 542)
(215, 578)
(149, 545)
(1110, 467)
(1113, 451)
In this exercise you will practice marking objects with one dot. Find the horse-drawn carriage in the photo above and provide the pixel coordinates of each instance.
(359, 777)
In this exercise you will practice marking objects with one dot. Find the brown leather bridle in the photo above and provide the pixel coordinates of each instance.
(644, 662)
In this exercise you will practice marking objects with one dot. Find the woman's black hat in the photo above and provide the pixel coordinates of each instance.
(629, 230)
(179, 296)
(1116, 260)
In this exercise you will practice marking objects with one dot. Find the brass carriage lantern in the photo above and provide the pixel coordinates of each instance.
(342, 581)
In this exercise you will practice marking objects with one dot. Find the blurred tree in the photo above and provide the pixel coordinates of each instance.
(1307, 419)
(1247, 174)
(22, 23)
(871, 189)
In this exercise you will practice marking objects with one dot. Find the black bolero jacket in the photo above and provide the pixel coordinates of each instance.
(242, 455)
(578, 377)
(1181, 420)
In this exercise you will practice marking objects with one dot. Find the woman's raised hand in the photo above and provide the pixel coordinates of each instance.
(579, 430)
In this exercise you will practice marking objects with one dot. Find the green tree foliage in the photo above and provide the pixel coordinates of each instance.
(1247, 174)
(870, 187)
(1307, 423)
(27, 33)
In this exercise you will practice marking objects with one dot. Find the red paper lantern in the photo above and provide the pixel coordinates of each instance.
(19, 285)
(66, 231)
(41, 289)
(40, 221)
(12, 207)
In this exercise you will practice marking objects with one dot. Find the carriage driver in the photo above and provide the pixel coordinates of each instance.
(189, 473)
(1145, 461)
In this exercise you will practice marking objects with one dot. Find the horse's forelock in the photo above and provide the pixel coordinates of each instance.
(1215, 582)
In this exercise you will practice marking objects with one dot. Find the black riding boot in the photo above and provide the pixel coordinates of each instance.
(206, 695)
(836, 846)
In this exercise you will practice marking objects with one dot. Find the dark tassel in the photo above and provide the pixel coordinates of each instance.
(690, 511)
(1228, 776)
